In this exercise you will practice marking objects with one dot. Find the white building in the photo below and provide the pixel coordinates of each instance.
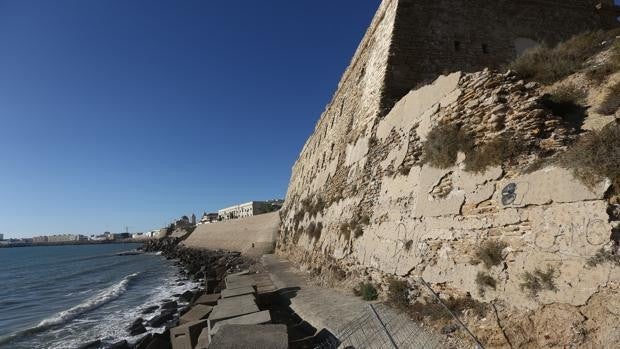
(252, 208)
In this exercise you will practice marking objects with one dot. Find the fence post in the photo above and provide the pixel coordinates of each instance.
(383, 326)
(451, 313)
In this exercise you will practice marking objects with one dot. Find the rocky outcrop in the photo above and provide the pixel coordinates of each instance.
(383, 211)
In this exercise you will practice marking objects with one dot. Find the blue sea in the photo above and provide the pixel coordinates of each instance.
(65, 296)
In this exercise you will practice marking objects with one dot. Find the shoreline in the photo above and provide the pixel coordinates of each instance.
(72, 243)
(205, 269)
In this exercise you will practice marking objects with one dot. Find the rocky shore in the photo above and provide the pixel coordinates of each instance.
(207, 268)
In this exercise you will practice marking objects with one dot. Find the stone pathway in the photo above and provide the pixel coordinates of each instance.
(320, 307)
(353, 321)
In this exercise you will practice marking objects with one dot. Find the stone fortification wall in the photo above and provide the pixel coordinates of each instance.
(410, 42)
(357, 99)
(252, 236)
(433, 37)
(399, 216)
(361, 203)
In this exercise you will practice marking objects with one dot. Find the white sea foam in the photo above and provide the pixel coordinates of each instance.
(65, 316)
(96, 301)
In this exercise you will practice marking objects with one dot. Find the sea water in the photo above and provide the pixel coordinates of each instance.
(65, 296)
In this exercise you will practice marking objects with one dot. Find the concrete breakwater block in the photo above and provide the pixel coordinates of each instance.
(232, 307)
(196, 313)
(235, 292)
(203, 339)
(208, 299)
(186, 335)
(262, 317)
(250, 337)
(241, 281)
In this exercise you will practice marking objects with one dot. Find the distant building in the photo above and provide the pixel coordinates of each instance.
(193, 219)
(39, 239)
(209, 218)
(121, 236)
(252, 208)
(1, 237)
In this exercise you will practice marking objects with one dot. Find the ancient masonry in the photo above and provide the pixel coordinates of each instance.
(361, 201)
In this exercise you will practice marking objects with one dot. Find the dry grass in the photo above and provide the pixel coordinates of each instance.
(443, 144)
(568, 93)
(484, 280)
(436, 311)
(609, 67)
(539, 280)
(398, 293)
(490, 253)
(548, 65)
(596, 155)
(603, 256)
(493, 153)
(445, 141)
(611, 103)
(368, 291)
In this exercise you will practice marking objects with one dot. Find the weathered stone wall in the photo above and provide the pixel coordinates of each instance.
(429, 222)
(432, 37)
(410, 42)
(400, 217)
(361, 201)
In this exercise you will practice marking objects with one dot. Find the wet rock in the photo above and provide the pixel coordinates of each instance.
(150, 309)
(91, 345)
(119, 345)
(169, 305)
(187, 296)
(137, 327)
(161, 319)
(143, 342)
(159, 341)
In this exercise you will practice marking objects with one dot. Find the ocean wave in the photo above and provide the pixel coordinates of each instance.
(65, 316)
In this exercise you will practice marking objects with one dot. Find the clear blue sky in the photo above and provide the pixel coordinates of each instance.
(123, 112)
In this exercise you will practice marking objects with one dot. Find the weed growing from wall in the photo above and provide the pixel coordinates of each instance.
(603, 256)
(484, 280)
(611, 102)
(595, 155)
(490, 253)
(538, 280)
(548, 65)
(368, 291)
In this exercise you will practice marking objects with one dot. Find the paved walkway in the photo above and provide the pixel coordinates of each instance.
(321, 307)
(349, 318)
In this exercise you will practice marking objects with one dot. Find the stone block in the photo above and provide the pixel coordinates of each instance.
(232, 307)
(250, 337)
(240, 281)
(235, 292)
(203, 339)
(196, 313)
(208, 299)
(186, 335)
(262, 317)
